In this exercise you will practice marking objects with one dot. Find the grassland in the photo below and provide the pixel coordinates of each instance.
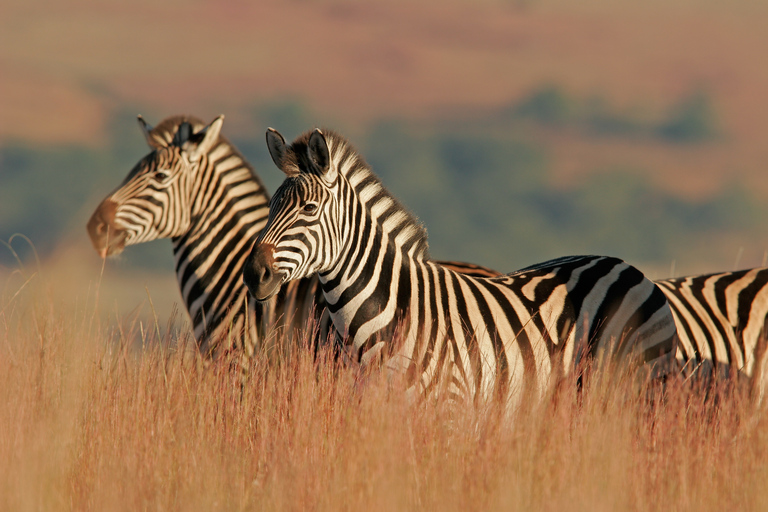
(114, 414)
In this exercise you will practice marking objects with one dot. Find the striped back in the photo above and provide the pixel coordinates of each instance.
(471, 336)
(195, 188)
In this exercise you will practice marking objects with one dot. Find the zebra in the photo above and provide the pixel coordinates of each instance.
(722, 323)
(468, 337)
(197, 189)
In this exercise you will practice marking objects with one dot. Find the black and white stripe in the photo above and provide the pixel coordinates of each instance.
(722, 325)
(722, 322)
(197, 189)
(474, 337)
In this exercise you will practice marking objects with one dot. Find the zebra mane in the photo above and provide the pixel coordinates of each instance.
(176, 130)
(351, 164)
(169, 131)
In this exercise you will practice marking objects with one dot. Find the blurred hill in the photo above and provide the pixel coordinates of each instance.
(66, 66)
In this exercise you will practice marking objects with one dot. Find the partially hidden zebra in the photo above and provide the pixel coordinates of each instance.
(722, 323)
(446, 333)
(195, 188)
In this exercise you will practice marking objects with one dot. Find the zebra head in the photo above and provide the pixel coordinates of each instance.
(302, 235)
(155, 199)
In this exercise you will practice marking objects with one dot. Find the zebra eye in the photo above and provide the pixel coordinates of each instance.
(309, 208)
(161, 175)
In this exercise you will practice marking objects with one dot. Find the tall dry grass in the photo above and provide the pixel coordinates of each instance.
(98, 415)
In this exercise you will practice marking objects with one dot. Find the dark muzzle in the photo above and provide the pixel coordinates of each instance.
(259, 272)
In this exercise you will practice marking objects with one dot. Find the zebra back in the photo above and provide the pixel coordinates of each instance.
(721, 320)
(722, 324)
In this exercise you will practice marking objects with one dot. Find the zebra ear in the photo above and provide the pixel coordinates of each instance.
(210, 136)
(317, 150)
(276, 146)
(146, 129)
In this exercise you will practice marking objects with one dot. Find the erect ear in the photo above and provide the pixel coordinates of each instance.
(146, 129)
(276, 146)
(317, 150)
(205, 139)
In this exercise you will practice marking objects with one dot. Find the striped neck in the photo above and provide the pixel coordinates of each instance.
(373, 266)
(229, 207)
(400, 227)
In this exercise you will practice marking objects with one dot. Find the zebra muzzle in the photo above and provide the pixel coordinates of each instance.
(259, 273)
(107, 238)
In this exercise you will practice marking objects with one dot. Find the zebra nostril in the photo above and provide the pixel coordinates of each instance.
(266, 274)
(260, 275)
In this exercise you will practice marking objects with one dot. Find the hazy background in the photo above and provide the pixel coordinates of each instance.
(518, 131)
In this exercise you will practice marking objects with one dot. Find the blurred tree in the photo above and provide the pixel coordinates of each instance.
(547, 105)
(692, 120)
(40, 190)
(291, 117)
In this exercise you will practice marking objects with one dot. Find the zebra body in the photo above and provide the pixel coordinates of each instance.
(722, 324)
(473, 337)
(721, 320)
(195, 188)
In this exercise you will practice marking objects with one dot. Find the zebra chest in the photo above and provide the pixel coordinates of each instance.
(360, 322)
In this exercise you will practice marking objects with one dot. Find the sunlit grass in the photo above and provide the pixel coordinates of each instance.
(117, 415)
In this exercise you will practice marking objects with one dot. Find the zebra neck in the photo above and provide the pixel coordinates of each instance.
(230, 211)
(372, 287)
